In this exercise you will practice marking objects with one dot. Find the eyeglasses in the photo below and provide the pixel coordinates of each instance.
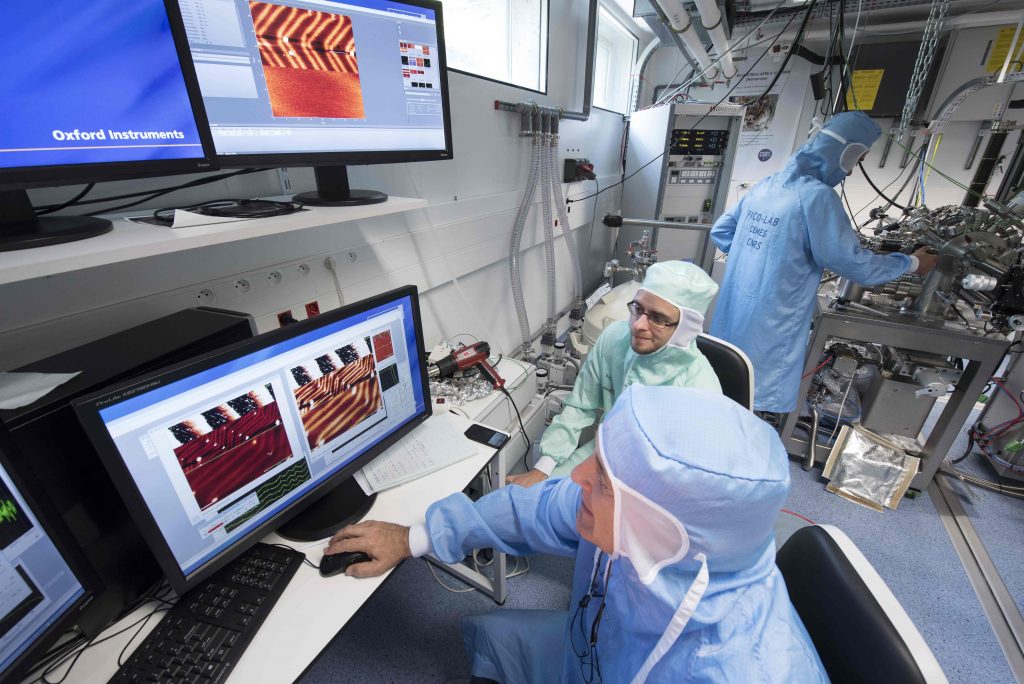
(590, 665)
(655, 319)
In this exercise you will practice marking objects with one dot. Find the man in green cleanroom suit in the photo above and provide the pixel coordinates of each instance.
(657, 346)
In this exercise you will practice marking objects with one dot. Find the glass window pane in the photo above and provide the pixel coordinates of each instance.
(501, 39)
(614, 61)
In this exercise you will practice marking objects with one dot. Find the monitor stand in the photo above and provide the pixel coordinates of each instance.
(332, 190)
(343, 505)
(21, 229)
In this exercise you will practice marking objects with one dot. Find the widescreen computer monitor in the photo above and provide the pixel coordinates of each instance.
(214, 454)
(322, 83)
(44, 582)
(91, 91)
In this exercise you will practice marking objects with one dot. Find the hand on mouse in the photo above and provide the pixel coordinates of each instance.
(387, 545)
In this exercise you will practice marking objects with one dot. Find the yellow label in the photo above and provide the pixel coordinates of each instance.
(865, 89)
(1000, 48)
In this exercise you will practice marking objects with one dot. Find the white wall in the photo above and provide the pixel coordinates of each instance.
(455, 251)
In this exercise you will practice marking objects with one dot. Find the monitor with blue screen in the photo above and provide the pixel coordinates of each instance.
(91, 92)
(217, 452)
(43, 580)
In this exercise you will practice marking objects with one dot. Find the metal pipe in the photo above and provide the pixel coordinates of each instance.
(613, 221)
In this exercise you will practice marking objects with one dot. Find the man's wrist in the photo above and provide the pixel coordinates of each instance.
(545, 464)
(419, 541)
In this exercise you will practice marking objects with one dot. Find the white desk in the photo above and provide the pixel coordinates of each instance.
(312, 609)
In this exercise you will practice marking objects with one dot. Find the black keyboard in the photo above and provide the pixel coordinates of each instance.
(204, 635)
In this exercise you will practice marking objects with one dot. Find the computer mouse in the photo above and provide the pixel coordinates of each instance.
(332, 564)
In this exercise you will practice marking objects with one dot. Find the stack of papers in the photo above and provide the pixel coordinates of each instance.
(433, 445)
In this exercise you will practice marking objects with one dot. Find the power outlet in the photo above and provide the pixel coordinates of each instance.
(242, 286)
(286, 318)
(274, 277)
(312, 309)
(205, 297)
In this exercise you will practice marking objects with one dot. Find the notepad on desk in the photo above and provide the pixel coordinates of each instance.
(433, 445)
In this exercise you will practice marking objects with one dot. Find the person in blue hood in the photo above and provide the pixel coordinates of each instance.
(671, 524)
(779, 238)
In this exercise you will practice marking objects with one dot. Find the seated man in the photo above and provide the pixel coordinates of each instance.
(657, 347)
(671, 523)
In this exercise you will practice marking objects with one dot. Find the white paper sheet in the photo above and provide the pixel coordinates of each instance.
(21, 389)
(431, 446)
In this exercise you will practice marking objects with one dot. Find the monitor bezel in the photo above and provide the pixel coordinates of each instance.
(34, 494)
(87, 409)
(357, 157)
(25, 177)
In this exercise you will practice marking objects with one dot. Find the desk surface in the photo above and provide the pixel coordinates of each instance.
(313, 609)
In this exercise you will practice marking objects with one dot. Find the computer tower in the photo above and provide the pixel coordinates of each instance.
(57, 451)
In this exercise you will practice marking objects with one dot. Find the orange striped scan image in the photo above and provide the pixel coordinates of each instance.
(337, 392)
(309, 62)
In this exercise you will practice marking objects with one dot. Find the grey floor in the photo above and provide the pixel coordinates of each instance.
(408, 632)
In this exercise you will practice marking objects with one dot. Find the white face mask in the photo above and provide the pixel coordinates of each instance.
(852, 153)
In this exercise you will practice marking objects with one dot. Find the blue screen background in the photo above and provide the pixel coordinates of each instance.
(104, 64)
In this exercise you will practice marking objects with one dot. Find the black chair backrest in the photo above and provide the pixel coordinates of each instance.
(732, 368)
(856, 640)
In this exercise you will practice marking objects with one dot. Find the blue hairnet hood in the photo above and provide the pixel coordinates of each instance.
(820, 156)
(661, 441)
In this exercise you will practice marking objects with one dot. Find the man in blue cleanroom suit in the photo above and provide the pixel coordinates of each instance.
(779, 238)
(658, 348)
(671, 524)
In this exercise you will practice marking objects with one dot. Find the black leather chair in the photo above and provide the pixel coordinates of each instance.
(731, 366)
(858, 626)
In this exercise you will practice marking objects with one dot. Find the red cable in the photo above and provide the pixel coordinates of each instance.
(805, 519)
(820, 366)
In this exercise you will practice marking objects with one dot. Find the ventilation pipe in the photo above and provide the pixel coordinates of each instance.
(533, 132)
(711, 18)
(679, 20)
(547, 339)
(576, 311)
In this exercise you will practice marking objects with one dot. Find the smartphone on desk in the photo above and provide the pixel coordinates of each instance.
(485, 435)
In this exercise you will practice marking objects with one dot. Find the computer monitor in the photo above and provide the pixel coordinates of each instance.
(44, 581)
(322, 83)
(213, 454)
(91, 92)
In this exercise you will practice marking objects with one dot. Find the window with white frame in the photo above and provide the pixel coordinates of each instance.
(614, 59)
(504, 40)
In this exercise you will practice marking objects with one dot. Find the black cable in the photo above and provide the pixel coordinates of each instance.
(292, 548)
(190, 184)
(73, 200)
(522, 427)
(874, 187)
(710, 109)
(151, 195)
(970, 446)
(232, 208)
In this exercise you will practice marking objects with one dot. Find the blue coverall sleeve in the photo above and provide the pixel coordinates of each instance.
(835, 246)
(725, 227)
(579, 409)
(516, 520)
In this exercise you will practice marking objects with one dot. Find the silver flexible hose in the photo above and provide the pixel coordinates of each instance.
(563, 218)
(549, 227)
(516, 240)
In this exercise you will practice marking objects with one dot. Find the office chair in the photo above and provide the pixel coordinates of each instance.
(731, 366)
(859, 628)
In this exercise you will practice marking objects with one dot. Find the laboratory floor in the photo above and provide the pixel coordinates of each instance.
(408, 632)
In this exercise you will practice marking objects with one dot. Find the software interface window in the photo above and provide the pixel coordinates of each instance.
(36, 584)
(217, 453)
(316, 75)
